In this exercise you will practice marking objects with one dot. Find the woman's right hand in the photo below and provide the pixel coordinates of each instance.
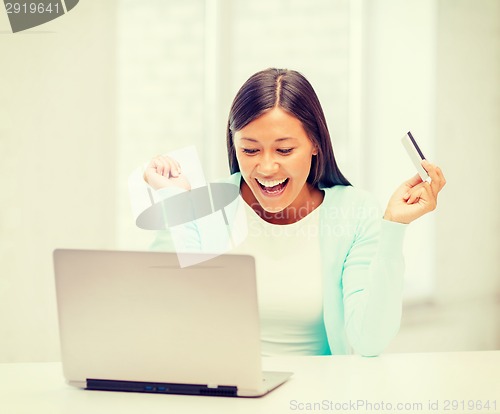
(163, 172)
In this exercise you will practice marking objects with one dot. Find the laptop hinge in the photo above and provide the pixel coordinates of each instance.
(161, 387)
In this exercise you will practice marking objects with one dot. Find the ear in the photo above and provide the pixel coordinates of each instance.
(315, 150)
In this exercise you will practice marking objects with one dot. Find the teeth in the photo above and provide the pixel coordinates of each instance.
(271, 183)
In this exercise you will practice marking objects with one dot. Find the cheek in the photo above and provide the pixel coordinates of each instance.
(301, 167)
(243, 164)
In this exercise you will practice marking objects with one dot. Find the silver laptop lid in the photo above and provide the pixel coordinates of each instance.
(138, 316)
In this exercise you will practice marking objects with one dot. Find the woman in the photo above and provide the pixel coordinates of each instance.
(330, 267)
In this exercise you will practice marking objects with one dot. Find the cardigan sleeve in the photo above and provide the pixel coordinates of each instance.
(208, 234)
(372, 281)
(181, 238)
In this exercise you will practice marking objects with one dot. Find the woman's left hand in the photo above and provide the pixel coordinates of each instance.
(415, 197)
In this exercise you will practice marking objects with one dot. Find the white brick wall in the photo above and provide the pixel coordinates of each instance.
(160, 63)
(309, 36)
(161, 75)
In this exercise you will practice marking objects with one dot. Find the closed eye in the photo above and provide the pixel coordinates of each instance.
(250, 151)
(285, 151)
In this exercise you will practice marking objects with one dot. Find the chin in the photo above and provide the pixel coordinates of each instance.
(269, 208)
(272, 210)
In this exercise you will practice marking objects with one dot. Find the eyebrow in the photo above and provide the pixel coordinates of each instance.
(279, 139)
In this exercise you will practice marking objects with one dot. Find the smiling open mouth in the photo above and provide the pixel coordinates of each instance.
(274, 187)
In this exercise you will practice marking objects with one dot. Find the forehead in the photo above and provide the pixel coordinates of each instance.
(276, 125)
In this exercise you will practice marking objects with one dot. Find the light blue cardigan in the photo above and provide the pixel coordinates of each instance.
(362, 266)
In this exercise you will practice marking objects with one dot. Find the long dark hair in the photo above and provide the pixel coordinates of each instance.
(292, 92)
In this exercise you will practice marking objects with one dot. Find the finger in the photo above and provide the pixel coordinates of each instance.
(440, 174)
(421, 191)
(168, 166)
(414, 189)
(442, 179)
(429, 168)
(154, 166)
(414, 196)
(172, 166)
(177, 167)
(413, 181)
(425, 197)
(165, 166)
(437, 178)
(160, 166)
(428, 197)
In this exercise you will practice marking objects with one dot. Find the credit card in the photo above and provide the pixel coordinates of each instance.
(415, 154)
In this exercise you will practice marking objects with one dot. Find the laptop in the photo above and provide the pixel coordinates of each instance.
(138, 322)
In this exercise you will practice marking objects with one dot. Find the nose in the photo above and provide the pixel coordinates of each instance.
(268, 165)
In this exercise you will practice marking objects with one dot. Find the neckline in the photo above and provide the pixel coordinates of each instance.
(301, 221)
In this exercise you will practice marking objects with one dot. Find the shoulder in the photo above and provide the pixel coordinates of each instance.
(340, 195)
(349, 206)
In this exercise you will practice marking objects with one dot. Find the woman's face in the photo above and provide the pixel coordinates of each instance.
(274, 154)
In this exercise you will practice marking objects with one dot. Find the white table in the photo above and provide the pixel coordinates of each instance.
(426, 382)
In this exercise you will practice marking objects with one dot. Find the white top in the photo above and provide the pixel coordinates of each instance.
(289, 284)
(362, 265)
